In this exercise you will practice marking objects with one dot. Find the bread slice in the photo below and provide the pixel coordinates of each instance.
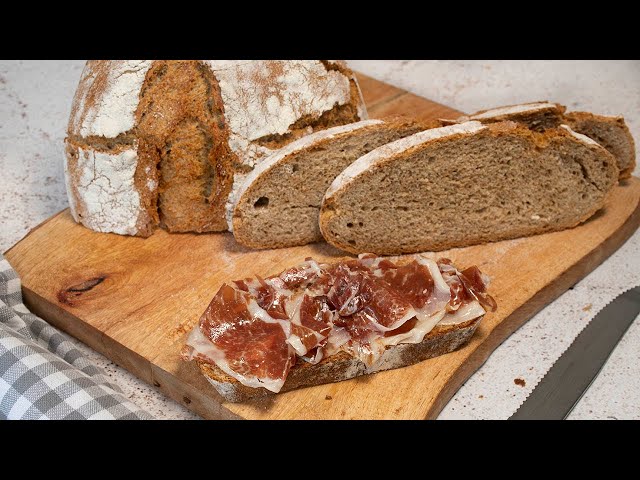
(466, 184)
(536, 115)
(342, 366)
(279, 203)
(610, 132)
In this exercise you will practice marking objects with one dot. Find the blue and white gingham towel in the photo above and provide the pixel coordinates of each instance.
(42, 374)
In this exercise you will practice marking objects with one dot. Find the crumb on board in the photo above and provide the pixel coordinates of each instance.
(587, 308)
(519, 381)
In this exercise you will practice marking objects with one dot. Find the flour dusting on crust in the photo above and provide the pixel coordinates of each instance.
(266, 97)
(239, 180)
(107, 198)
(509, 110)
(579, 136)
(107, 97)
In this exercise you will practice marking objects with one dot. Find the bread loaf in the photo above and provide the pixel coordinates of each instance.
(466, 184)
(165, 142)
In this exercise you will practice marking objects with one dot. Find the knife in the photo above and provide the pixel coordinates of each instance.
(572, 374)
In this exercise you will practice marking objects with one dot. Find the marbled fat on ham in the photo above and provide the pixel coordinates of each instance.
(256, 329)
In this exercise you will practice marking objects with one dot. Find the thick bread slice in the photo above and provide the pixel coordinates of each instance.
(610, 132)
(466, 184)
(341, 366)
(279, 203)
(536, 115)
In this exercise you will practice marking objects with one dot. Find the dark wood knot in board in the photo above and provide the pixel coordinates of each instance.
(69, 295)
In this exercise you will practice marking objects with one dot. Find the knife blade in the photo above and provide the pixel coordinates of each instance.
(572, 374)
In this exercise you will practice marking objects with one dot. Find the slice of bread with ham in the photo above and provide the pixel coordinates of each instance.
(466, 184)
(279, 202)
(318, 323)
(609, 131)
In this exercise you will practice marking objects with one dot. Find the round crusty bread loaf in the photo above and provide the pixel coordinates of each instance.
(165, 142)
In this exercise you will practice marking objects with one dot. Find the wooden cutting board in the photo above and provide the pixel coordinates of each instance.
(135, 299)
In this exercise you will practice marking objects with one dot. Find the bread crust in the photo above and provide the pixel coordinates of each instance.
(537, 116)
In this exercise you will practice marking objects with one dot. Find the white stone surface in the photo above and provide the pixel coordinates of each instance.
(35, 100)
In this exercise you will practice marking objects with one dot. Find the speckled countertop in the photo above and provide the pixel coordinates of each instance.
(35, 98)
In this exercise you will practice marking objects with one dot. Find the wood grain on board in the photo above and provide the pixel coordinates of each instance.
(135, 299)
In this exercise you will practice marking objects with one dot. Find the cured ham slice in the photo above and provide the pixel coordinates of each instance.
(465, 286)
(357, 293)
(303, 274)
(257, 328)
(311, 320)
(243, 340)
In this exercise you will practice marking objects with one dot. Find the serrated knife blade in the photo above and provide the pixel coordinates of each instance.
(572, 374)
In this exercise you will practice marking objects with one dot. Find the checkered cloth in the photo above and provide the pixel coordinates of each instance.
(42, 374)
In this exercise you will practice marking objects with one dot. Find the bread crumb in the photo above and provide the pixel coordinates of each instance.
(519, 381)
(587, 308)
